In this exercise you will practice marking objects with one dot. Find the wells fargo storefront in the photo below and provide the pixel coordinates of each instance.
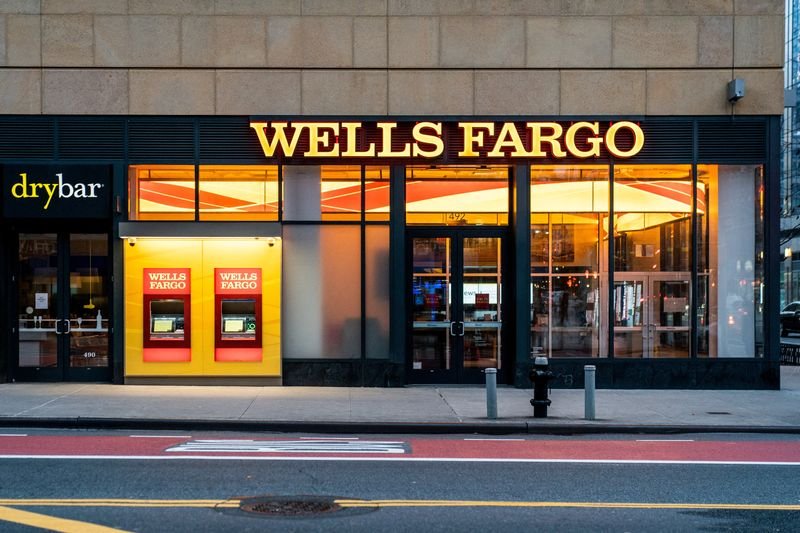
(380, 252)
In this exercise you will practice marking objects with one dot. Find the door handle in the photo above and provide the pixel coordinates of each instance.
(58, 332)
(69, 327)
(452, 333)
(462, 330)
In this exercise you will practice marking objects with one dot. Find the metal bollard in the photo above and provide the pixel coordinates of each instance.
(588, 387)
(491, 393)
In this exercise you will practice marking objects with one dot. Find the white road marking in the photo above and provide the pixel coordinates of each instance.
(329, 438)
(396, 459)
(160, 436)
(290, 446)
(664, 440)
(502, 440)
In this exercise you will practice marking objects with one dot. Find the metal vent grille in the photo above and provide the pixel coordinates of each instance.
(160, 139)
(26, 138)
(733, 141)
(229, 139)
(666, 141)
(91, 139)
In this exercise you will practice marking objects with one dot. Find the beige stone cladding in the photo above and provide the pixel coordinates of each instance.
(396, 57)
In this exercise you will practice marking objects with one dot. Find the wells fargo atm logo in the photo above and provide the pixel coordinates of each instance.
(478, 139)
(29, 188)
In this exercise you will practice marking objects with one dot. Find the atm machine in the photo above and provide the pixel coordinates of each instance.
(167, 315)
(237, 314)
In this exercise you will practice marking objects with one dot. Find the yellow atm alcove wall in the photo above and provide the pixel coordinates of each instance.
(202, 257)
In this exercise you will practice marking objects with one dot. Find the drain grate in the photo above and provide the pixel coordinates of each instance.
(717, 413)
(292, 506)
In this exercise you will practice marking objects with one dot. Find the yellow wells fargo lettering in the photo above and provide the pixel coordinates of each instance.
(547, 140)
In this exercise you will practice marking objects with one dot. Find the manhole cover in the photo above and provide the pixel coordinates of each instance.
(296, 506)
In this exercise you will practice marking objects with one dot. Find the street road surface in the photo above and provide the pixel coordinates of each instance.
(173, 481)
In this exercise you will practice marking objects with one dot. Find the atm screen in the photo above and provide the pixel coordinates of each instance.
(238, 319)
(163, 325)
(233, 325)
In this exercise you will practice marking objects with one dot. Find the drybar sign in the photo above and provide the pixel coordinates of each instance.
(73, 191)
(426, 140)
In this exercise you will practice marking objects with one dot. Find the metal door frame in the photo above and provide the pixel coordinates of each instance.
(63, 371)
(457, 373)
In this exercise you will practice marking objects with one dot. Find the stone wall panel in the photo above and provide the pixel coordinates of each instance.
(85, 92)
(172, 92)
(253, 92)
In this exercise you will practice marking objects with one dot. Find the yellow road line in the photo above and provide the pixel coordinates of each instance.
(116, 502)
(234, 503)
(589, 505)
(51, 523)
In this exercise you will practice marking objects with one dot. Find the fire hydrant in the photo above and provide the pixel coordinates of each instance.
(540, 376)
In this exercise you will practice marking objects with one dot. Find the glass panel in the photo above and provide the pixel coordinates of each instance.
(569, 210)
(629, 322)
(377, 288)
(377, 193)
(38, 300)
(243, 192)
(730, 303)
(669, 326)
(458, 196)
(161, 192)
(483, 313)
(89, 309)
(574, 316)
(322, 292)
(540, 316)
(431, 308)
(652, 218)
(328, 192)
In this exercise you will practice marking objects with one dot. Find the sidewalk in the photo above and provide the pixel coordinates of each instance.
(415, 409)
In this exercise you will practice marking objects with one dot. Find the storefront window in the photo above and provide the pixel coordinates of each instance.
(567, 247)
(457, 196)
(376, 189)
(321, 289)
(162, 192)
(328, 192)
(238, 192)
(652, 261)
(731, 261)
(376, 286)
(652, 218)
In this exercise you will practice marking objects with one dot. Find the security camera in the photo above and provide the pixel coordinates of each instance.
(271, 242)
(735, 90)
(131, 242)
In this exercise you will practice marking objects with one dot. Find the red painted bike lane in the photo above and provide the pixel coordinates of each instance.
(643, 450)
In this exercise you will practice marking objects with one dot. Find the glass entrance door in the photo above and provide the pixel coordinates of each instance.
(63, 307)
(651, 315)
(456, 307)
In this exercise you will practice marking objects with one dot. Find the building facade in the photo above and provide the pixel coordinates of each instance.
(388, 192)
(790, 161)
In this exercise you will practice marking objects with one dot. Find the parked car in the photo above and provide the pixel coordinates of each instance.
(790, 319)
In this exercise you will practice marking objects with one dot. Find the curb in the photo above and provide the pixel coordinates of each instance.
(432, 428)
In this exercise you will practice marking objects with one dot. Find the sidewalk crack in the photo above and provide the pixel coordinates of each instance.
(21, 413)
(249, 405)
(439, 392)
